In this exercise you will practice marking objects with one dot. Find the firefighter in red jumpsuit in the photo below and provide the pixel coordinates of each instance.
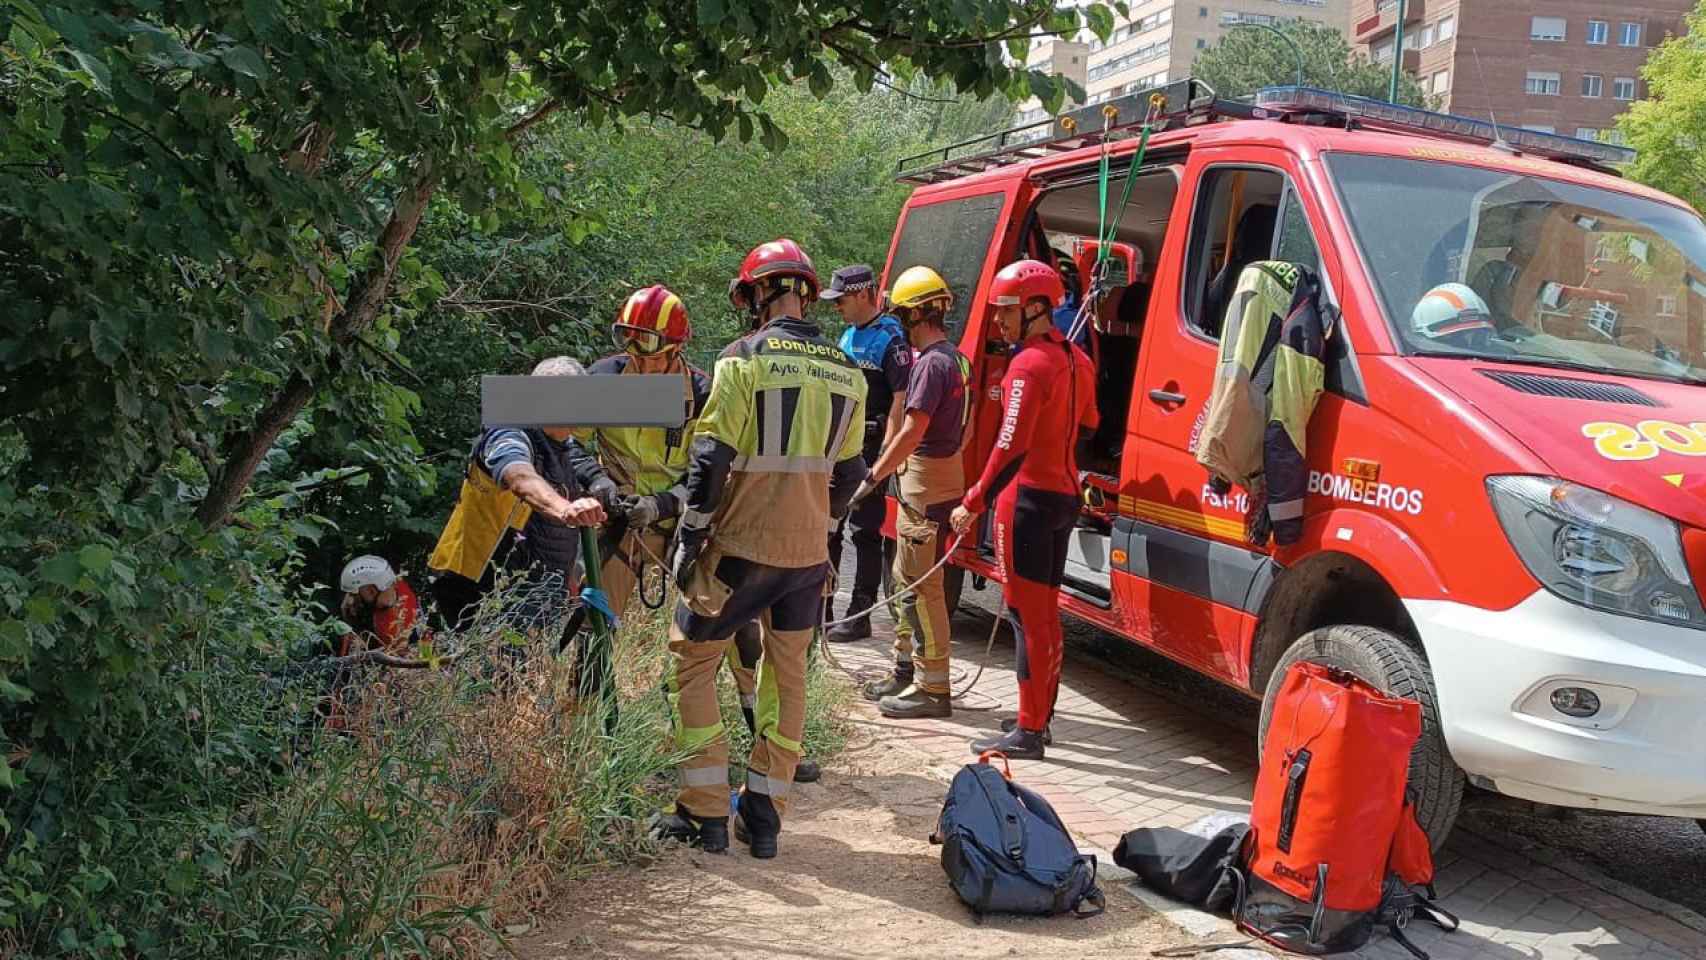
(1032, 475)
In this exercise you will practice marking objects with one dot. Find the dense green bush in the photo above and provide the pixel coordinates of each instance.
(255, 255)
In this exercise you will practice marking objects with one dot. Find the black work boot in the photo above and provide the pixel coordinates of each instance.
(710, 834)
(1008, 724)
(890, 685)
(757, 824)
(858, 628)
(1019, 744)
(915, 704)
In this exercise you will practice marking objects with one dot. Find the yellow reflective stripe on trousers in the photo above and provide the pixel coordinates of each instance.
(769, 786)
(716, 776)
(693, 738)
(768, 715)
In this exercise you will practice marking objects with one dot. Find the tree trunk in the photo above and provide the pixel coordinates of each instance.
(246, 450)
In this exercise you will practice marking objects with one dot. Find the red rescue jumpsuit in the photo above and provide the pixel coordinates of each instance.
(1050, 388)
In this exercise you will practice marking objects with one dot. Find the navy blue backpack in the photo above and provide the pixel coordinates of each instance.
(1005, 850)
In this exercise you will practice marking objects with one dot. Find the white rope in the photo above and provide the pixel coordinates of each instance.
(947, 554)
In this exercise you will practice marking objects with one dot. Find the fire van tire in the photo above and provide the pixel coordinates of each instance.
(953, 585)
(1384, 660)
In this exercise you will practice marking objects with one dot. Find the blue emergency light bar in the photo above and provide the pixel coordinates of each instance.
(1379, 114)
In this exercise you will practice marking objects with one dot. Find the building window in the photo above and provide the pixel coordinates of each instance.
(1593, 85)
(1202, 11)
(1125, 61)
(1604, 318)
(1542, 82)
(1623, 88)
(1447, 28)
(1539, 128)
(1629, 35)
(1442, 81)
(1201, 43)
(1587, 133)
(1230, 18)
(1428, 34)
(1598, 32)
(1383, 52)
(1666, 305)
(1546, 28)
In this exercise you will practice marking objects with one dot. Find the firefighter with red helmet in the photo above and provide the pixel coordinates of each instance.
(775, 457)
(1032, 476)
(640, 473)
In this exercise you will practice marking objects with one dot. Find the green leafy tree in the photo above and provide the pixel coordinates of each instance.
(1247, 59)
(1669, 127)
(213, 259)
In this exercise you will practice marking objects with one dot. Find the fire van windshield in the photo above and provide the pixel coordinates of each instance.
(1482, 263)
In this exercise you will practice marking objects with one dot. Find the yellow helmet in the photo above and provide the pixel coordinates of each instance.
(917, 286)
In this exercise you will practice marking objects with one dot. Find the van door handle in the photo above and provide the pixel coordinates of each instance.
(1167, 397)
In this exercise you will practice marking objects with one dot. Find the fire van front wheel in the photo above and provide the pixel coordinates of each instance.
(1387, 662)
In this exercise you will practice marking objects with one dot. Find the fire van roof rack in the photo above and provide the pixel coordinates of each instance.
(1192, 101)
(1293, 101)
(1186, 100)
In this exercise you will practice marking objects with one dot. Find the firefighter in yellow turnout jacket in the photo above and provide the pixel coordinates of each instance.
(775, 456)
(640, 473)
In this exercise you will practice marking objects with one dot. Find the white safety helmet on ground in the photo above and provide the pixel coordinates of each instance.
(1453, 312)
(367, 571)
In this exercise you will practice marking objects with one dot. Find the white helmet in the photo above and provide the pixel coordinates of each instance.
(1448, 310)
(367, 571)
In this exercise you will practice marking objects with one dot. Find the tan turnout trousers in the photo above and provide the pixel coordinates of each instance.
(930, 487)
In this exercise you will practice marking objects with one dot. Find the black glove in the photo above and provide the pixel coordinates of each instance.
(867, 487)
(688, 545)
(640, 512)
(606, 492)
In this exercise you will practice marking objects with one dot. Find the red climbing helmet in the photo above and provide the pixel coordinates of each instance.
(779, 261)
(653, 320)
(1024, 281)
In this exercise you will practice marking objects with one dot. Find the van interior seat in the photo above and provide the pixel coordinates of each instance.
(1252, 238)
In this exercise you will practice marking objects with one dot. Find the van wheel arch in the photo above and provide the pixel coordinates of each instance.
(1322, 590)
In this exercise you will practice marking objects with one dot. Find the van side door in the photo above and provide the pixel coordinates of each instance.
(963, 235)
(1194, 574)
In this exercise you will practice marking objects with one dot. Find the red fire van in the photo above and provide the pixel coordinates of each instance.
(1513, 534)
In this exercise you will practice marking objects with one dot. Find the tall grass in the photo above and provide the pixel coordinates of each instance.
(459, 799)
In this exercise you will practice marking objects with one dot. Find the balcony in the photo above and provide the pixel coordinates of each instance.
(1412, 62)
(1385, 19)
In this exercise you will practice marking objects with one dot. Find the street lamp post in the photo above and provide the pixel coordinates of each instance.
(1397, 56)
(1296, 51)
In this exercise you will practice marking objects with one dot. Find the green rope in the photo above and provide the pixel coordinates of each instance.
(1106, 230)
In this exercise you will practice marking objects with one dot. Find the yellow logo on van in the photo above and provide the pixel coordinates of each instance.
(1647, 439)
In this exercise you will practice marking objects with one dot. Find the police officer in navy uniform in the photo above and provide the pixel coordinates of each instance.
(876, 342)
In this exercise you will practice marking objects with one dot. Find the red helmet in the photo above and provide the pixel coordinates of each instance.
(1024, 281)
(652, 320)
(776, 260)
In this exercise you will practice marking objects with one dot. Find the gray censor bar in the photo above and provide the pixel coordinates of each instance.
(590, 400)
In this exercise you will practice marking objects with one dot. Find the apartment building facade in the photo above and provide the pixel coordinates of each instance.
(1160, 40)
(1559, 66)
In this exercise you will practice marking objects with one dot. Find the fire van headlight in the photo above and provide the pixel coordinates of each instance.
(1597, 550)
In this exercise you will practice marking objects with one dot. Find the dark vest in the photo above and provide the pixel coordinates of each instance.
(543, 543)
